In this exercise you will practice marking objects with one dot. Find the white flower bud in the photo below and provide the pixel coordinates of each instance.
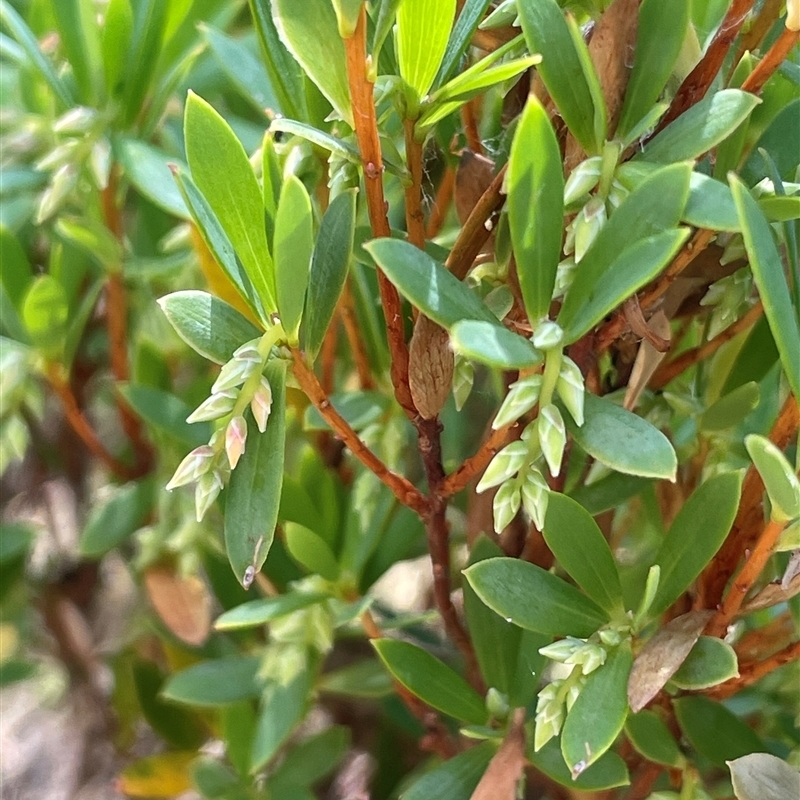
(589, 657)
(235, 439)
(463, 377)
(196, 464)
(248, 352)
(535, 496)
(562, 649)
(548, 335)
(573, 693)
(552, 437)
(582, 179)
(208, 488)
(100, 163)
(77, 120)
(565, 274)
(522, 397)
(233, 374)
(214, 407)
(506, 463)
(793, 15)
(588, 223)
(546, 729)
(506, 504)
(617, 193)
(64, 181)
(261, 404)
(570, 389)
(610, 637)
(59, 156)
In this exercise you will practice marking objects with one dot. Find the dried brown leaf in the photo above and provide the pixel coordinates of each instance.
(647, 360)
(771, 595)
(182, 604)
(430, 367)
(662, 655)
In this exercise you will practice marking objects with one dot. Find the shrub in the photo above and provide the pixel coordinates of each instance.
(515, 287)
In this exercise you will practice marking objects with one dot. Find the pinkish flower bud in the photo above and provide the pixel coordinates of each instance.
(214, 407)
(235, 438)
(261, 404)
(196, 464)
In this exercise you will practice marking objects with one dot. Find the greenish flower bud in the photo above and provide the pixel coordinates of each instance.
(552, 437)
(506, 463)
(64, 181)
(195, 465)
(522, 397)
(548, 335)
(248, 352)
(506, 504)
(617, 194)
(77, 120)
(570, 388)
(235, 439)
(589, 657)
(565, 274)
(588, 223)
(100, 163)
(208, 488)
(261, 404)
(463, 377)
(535, 496)
(582, 179)
(573, 693)
(548, 694)
(60, 155)
(496, 704)
(562, 649)
(501, 17)
(214, 407)
(610, 637)
(233, 374)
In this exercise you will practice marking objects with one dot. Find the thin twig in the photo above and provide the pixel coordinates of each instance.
(751, 672)
(441, 203)
(749, 573)
(476, 463)
(470, 122)
(366, 127)
(772, 60)
(401, 487)
(475, 232)
(78, 422)
(760, 27)
(666, 372)
(415, 219)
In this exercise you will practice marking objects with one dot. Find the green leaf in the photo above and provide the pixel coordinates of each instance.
(633, 268)
(710, 661)
(15, 538)
(213, 779)
(713, 731)
(365, 678)
(337, 147)
(455, 778)
(427, 284)
(493, 345)
(285, 75)
(311, 551)
(329, 264)
(112, 522)
(623, 441)
(659, 38)
(215, 683)
(294, 241)
(423, 30)
(431, 680)
(762, 776)
(597, 716)
(222, 172)
(283, 706)
(254, 491)
(533, 598)
(115, 41)
(700, 128)
(581, 549)
(148, 170)
(607, 772)
(767, 267)
(609, 492)
(93, 237)
(695, 536)
(309, 761)
(710, 205)
(76, 21)
(311, 34)
(469, 18)
(243, 69)
(780, 480)
(536, 207)
(359, 410)
(45, 314)
(781, 208)
(208, 325)
(650, 736)
(19, 29)
(562, 68)
(731, 409)
(260, 612)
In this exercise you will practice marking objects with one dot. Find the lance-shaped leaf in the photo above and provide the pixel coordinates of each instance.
(79, 32)
(456, 777)
(536, 207)
(649, 734)
(294, 241)
(222, 172)
(597, 717)
(423, 29)
(533, 598)
(215, 683)
(710, 205)
(254, 492)
(431, 680)
(695, 536)
(581, 548)
(780, 480)
(469, 17)
(710, 661)
(427, 284)
(767, 267)
(562, 68)
(311, 34)
(208, 325)
(607, 772)
(493, 345)
(332, 253)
